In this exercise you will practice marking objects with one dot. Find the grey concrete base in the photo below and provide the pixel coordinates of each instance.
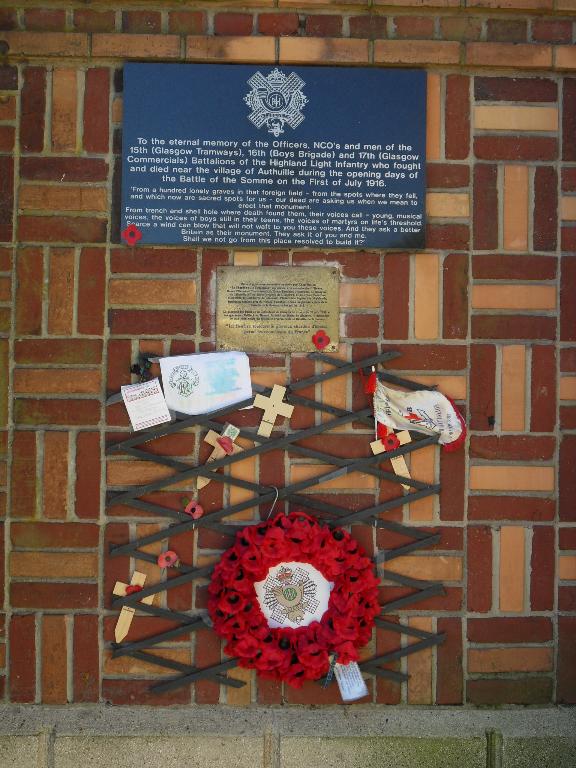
(259, 737)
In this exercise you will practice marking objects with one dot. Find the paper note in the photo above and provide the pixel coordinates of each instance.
(350, 681)
(203, 383)
(145, 404)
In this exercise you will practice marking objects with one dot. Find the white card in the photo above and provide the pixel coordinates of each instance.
(145, 404)
(206, 382)
(350, 681)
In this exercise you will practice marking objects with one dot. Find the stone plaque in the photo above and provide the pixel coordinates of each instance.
(255, 156)
(276, 309)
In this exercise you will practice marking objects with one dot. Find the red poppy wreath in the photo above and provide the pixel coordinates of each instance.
(290, 593)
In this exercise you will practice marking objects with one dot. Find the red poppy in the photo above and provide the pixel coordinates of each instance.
(167, 559)
(132, 234)
(194, 509)
(320, 339)
(391, 442)
(285, 653)
(131, 588)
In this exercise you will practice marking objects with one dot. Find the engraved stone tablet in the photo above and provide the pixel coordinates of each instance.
(276, 309)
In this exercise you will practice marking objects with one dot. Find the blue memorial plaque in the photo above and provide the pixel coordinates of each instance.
(329, 157)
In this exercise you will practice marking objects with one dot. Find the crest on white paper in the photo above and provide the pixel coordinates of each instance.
(293, 595)
(184, 379)
(276, 100)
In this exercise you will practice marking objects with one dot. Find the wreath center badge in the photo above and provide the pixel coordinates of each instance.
(289, 594)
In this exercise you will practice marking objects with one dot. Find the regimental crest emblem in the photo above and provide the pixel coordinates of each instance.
(276, 100)
(290, 595)
(184, 379)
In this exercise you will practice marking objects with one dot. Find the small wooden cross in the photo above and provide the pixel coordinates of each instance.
(272, 407)
(218, 453)
(127, 613)
(398, 462)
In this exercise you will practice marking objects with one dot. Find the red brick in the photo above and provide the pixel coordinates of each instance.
(507, 30)
(323, 26)
(479, 569)
(447, 237)
(542, 564)
(34, 594)
(447, 176)
(566, 692)
(429, 357)
(8, 19)
(86, 20)
(543, 396)
(75, 229)
(33, 101)
(449, 676)
(274, 258)
(567, 417)
(457, 122)
(54, 535)
(396, 295)
(523, 690)
(269, 692)
(115, 568)
(361, 326)
(211, 260)
(54, 660)
(452, 479)
(88, 475)
(460, 28)
(533, 629)
(567, 489)
(7, 138)
(568, 360)
(85, 664)
(29, 281)
(59, 351)
(515, 148)
(8, 78)
(24, 475)
(5, 259)
(278, 24)
(513, 327)
(569, 120)
(33, 411)
(6, 198)
(545, 208)
(482, 387)
(187, 22)
(552, 31)
(96, 110)
(567, 303)
(515, 89)
(510, 508)
(568, 239)
(388, 692)
(360, 264)
(45, 19)
(567, 599)
(512, 447)
(567, 538)
(569, 179)
(207, 653)
(455, 287)
(138, 692)
(414, 27)
(161, 323)
(153, 260)
(22, 653)
(485, 214)
(233, 24)
(92, 291)
(501, 266)
(119, 362)
(141, 22)
(368, 26)
(63, 169)
(451, 601)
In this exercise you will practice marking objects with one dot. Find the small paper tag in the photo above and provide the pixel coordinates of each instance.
(350, 681)
(230, 431)
(145, 404)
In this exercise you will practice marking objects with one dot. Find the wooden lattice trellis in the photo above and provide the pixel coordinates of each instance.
(263, 497)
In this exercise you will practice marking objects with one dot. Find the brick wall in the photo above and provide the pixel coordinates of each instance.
(487, 313)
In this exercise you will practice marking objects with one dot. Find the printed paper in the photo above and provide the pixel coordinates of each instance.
(145, 404)
(204, 383)
(350, 681)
